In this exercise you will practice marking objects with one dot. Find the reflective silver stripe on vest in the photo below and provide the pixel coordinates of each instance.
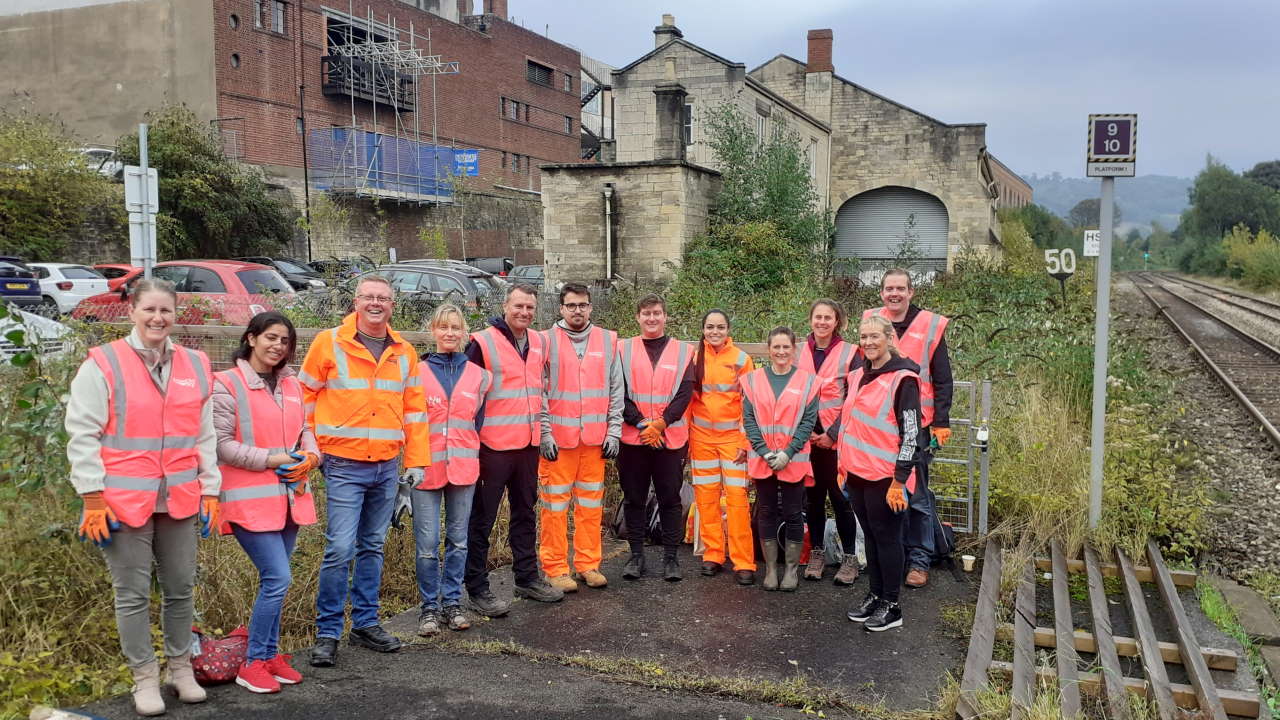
(720, 425)
(193, 357)
(360, 433)
(119, 393)
(719, 387)
(244, 411)
(415, 417)
(124, 482)
(120, 401)
(562, 421)
(255, 492)
(309, 381)
(454, 453)
(871, 450)
(878, 422)
(170, 442)
(491, 421)
(181, 478)
(934, 321)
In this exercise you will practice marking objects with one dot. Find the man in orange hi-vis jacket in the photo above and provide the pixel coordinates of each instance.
(364, 402)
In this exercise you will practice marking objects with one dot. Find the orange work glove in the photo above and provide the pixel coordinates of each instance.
(652, 433)
(97, 520)
(210, 515)
(941, 434)
(301, 469)
(897, 496)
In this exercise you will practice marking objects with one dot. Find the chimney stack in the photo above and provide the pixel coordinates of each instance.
(497, 7)
(668, 141)
(666, 32)
(820, 51)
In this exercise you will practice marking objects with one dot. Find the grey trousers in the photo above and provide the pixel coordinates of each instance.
(171, 544)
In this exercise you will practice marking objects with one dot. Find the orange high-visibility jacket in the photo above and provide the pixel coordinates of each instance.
(919, 343)
(778, 419)
(455, 444)
(514, 402)
(831, 376)
(364, 410)
(578, 390)
(715, 412)
(652, 387)
(869, 437)
(150, 438)
(256, 499)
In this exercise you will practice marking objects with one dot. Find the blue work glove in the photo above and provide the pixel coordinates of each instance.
(210, 515)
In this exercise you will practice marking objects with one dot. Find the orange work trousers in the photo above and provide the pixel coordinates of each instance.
(576, 474)
(715, 473)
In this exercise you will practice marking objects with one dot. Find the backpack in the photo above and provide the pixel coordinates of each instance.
(653, 518)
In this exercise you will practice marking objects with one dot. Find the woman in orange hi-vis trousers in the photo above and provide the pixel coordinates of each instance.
(718, 450)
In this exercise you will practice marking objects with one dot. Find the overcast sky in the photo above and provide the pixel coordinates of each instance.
(1203, 75)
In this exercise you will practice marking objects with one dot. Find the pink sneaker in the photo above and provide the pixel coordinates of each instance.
(283, 671)
(255, 676)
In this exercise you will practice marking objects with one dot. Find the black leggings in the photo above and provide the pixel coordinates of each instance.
(768, 493)
(825, 486)
(886, 559)
(638, 466)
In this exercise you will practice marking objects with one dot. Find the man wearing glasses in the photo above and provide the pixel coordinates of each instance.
(365, 403)
(515, 354)
(581, 426)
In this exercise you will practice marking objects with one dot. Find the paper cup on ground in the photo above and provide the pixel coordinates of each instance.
(968, 561)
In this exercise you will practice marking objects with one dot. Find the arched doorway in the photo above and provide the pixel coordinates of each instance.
(877, 227)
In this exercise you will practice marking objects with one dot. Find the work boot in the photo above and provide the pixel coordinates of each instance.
(146, 689)
(429, 623)
(456, 617)
(563, 583)
(917, 578)
(848, 572)
(671, 569)
(183, 679)
(539, 590)
(710, 568)
(325, 653)
(634, 569)
(487, 604)
(593, 578)
(817, 561)
(745, 577)
(791, 574)
(770, 548)
(376, 638)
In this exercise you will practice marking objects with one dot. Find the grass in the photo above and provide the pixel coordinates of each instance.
(1219, 611)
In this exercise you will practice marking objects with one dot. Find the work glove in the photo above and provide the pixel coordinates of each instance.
(548, 449)
(97, 520)
(652, 432)
(610, 449)
(404, 506)
(210, 515)
(897, 496)
(941, 434)
(779, 460)
(741, 457)
(295, 474)
(413, 477)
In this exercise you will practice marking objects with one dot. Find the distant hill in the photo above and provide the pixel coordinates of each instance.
(1141, 199)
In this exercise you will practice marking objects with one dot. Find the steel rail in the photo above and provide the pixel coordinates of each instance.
(1268, 427)
(1207, 289)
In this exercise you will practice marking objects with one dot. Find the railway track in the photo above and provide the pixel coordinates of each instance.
(1247, 364)
(1263, 307)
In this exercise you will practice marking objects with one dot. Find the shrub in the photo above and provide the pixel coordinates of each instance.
(1254, 260)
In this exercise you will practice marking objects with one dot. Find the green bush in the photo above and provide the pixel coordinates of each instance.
(1254, 260)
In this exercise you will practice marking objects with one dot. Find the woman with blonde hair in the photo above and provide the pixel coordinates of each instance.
(454, 390)
(880, 444)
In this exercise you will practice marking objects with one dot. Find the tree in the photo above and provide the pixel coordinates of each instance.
(209, 205)
(1221, 199)
(1266, 173)
(1046, 229)
(1087, 214)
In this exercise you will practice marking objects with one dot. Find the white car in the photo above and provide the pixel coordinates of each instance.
(51, 334)
(64, 285)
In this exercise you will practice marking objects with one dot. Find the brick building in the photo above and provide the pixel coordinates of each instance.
(1011, 190)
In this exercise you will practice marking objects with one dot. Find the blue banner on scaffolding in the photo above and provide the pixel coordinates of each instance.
(466, 163)
(380, 165)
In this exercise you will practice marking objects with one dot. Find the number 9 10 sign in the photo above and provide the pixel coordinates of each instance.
(1112, 145)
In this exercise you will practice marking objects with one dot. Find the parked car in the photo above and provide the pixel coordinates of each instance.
(50, 334)
(342, 267)
(215, 292)
(499, 266)
(532, 274)
(296, 272)
(416, 281)
(487, 284)
(64, 285)
(18, 283)
(117, 274)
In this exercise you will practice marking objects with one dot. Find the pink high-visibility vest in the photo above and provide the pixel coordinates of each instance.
(778, 418)
(578, 396)
(919, 343)
(455, 444)
(514, 401)
(652, 387)
(150, 438)
(831, 377)
(869, 438)
(256, 499)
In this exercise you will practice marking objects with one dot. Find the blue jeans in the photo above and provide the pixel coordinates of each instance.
(917, 531)
(270, 552)
(361, 496)
(426, 536)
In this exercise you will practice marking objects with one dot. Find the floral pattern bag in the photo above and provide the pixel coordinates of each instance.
(217, 660)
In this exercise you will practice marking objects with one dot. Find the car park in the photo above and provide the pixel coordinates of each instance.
(48, 338)
(64, 285)
(342, 268)
(499, 266)
(117, 274)
(531, 274)
(215, 292)
(18, 283)
(414, 282)
(296, 272)
(486, 284)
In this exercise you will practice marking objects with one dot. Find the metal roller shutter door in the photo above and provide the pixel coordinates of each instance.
(871, 226)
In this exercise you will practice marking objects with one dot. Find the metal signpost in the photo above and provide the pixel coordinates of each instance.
(1061, 265)
(1112, 153)
(142, 201)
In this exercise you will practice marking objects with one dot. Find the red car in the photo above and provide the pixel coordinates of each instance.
(210, 292)
(117, 274)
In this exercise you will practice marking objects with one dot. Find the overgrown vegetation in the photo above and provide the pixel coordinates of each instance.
(1220, 613)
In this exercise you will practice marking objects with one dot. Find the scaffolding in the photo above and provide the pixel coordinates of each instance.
(379, 66)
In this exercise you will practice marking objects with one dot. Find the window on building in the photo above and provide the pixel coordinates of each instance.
(257, 13)
(278, 14)
(811, 154)
(514, 108)
(568, 83)
(686, 119)
(568, 125)
(539, 73)
(504, 159)
(515, 164)
(762, 127)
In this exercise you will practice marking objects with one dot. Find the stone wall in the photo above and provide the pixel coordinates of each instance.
(658, 207)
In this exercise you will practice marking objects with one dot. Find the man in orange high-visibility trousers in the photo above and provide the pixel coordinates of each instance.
(718, 450)
(581, 427)
(509, 440)
(655, 435)
(365, 405)
(922, 338)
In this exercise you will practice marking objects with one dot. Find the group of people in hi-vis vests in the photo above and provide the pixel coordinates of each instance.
(156, 439)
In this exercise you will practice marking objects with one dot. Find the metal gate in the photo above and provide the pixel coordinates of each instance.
(874, 226)
(961, 466)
